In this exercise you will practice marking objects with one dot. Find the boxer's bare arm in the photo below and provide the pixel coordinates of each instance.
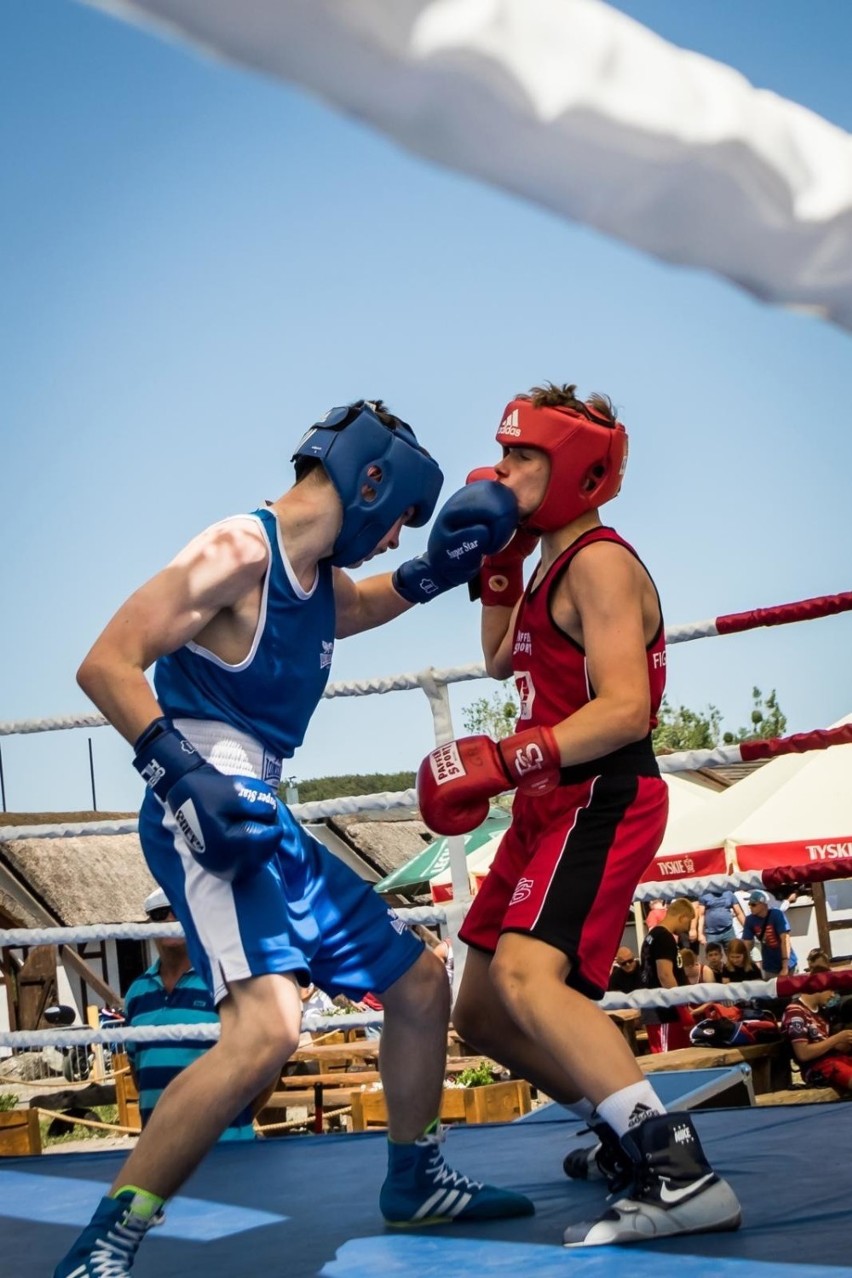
(604, 594)
(496, 632)
(209, 592)
(362, 605)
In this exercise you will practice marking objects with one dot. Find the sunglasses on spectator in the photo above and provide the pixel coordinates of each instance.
(160, 913)
(627, 962)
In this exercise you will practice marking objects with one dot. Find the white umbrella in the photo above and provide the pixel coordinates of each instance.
(684, 796)
(794, 810)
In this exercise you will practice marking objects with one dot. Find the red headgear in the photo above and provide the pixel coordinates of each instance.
(588, 456)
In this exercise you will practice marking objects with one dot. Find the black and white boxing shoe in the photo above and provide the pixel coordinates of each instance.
(675, 1190)
(606, 1160)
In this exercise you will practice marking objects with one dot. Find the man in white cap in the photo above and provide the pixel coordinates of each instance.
(170, 992)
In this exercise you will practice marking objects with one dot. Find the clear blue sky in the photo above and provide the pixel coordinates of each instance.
(196, 262)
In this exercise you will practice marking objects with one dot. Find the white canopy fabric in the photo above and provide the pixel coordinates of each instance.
(795, 810)
(684, 797)
(577, 107)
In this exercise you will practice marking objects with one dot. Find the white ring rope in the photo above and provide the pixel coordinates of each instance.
(19, 937)
(203, 1032)
(728, 623)
(679, 995)
(682, 995)
(669, 889)
(737, 881)
(382, 801)
(347, 688)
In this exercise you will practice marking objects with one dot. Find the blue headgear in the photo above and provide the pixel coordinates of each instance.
(378, 472)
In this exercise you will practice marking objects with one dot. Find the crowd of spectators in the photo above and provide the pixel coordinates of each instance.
(727, 938)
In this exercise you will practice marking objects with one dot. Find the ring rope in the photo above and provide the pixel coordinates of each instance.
(677, 761)
(198, 1032)
(668, 889)
(776, 876)
(17, 937)
(640, 1000)
(382, 801)
(727, 623)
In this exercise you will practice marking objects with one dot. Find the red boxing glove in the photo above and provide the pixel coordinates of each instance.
(501, 578)
(455, 781)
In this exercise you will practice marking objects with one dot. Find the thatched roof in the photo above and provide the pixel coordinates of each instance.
(104, 879)
(383, 841)
(92, 879)
(13, 913)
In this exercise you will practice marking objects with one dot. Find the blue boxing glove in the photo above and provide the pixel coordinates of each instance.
(476, 521)
(230, 824)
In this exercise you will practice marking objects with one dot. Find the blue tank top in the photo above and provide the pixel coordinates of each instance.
(272, 694)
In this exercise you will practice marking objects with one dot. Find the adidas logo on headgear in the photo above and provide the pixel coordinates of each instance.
(509, 424)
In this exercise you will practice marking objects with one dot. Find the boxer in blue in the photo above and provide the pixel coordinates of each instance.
(242, 626)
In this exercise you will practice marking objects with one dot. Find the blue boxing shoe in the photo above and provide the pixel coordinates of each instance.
(420, 1189)
(107, 1246)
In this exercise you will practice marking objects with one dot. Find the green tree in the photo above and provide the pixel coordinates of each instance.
(316, 788)
(680, 728)
(767, 720)
(495, 716)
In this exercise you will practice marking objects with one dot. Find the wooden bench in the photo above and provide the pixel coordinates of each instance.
(799, 1096)
(315, 1092)
(769, 1062)
(629, 1023)
(20, 1132)
(339, 1055)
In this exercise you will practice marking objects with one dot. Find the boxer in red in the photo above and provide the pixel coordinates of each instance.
(586, 645)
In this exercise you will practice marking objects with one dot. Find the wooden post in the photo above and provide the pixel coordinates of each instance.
(821, 912)
(639, 924)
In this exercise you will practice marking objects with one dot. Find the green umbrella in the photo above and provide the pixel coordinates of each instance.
(436, 857)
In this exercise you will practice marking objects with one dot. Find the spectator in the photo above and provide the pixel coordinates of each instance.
(825, 1058)
(439, 946)
(740, 965)
(696, 973)
(662, 968)
(656, 913)
(841, 1008)
(687, 937)
(716, 914)
(769, 927)
(715, 956)
(170, 992)
(625, 975)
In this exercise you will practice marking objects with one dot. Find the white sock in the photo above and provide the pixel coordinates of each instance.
(630, 1107)
(580, 1109)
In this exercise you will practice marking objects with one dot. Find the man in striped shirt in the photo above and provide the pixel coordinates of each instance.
(170, 992)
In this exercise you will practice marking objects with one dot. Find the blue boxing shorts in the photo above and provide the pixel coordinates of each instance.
(305, 912)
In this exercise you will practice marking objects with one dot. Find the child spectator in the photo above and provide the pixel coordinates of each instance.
(825, 1059)
(715, 956)
(696, 973)
(740, 965)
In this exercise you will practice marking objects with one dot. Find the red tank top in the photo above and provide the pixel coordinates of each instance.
(551, 672)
